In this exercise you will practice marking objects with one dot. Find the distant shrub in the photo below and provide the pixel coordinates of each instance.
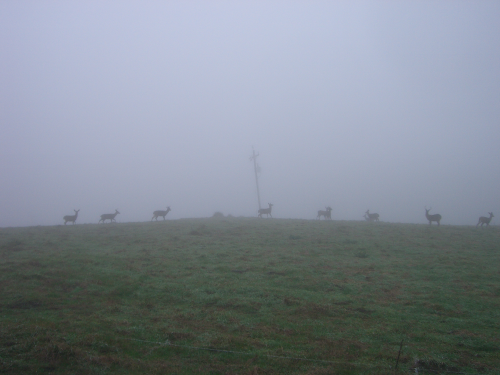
(218, 215)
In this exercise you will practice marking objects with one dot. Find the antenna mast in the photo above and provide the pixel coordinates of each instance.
(254, 157)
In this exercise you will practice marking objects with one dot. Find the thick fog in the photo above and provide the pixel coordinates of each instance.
(136, 106)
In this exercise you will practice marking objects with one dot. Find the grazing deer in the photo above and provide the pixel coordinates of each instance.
(327, 214)
(71, 217)
(160, 213)
(371, 217)
(110, 217)
(431, 218)
(485, 220)
(266, 211)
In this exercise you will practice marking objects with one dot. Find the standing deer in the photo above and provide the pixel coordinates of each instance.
(71, 217)
(160, 213)
(110, 217)
(485, 220)
(431, 218)
(371, 217)
(266, 211)
(327, 214)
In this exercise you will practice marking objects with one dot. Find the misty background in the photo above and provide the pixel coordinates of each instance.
(388, 106)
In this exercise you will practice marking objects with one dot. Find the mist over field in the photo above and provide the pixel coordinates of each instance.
(386, 106)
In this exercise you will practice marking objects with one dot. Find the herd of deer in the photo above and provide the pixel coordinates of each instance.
(111, 217)
(327, 214)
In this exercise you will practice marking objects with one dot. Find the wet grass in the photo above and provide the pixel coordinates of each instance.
(145, 297)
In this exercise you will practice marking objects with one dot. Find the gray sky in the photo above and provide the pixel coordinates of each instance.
(388, 106)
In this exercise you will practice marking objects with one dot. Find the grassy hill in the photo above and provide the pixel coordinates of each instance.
(249, 296)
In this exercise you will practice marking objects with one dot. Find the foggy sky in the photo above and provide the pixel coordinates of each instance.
(388, 106)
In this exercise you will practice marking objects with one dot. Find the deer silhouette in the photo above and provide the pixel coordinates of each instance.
(266, 211)
(327, 214)
(371, 217)
(485, 220)
(71, 217)
(431, 218)
(160, 213)
(110, 217)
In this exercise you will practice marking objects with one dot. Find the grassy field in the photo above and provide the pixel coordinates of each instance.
(249, 296)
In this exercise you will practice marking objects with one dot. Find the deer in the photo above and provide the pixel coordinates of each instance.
(371, 217)
(266, 211)
(485, 220)
(431, 218)
(71, 217)
(110, 217)
(327, 214)
(160, 213)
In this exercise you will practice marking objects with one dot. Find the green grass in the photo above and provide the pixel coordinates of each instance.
(150, 297)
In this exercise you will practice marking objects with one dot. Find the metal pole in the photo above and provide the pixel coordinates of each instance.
(400, 347)
(254, 157)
